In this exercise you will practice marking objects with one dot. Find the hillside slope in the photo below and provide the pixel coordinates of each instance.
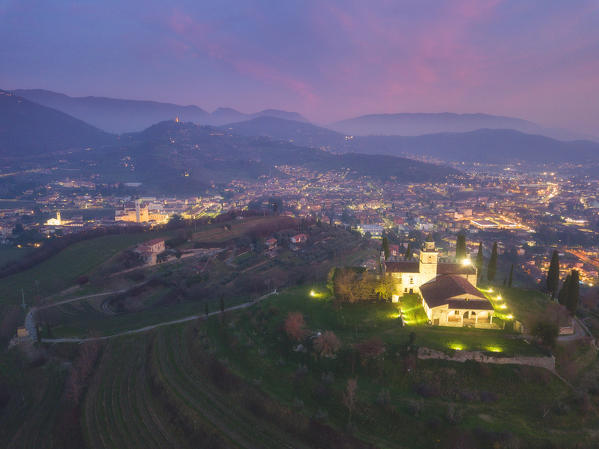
(28, 129)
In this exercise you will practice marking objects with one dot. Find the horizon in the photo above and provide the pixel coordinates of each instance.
(496, 57)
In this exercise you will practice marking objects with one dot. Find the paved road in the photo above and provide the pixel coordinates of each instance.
(31, 325)
(154, 326)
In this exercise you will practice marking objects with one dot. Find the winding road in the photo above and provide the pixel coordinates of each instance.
(154, 326)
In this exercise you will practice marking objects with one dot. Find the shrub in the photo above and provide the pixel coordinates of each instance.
(327, 344)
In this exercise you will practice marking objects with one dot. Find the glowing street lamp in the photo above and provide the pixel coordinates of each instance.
(312, 293)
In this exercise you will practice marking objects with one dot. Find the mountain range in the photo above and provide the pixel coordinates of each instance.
(415, 124)
(172, 156)
(482, 145)
(119, 116)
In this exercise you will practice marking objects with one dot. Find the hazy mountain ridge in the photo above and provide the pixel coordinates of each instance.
(122, 116)
(415, 124)
(28, 129)
(484, 145)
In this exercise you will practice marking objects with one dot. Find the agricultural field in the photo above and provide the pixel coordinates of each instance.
(196, 284)
(63, 269)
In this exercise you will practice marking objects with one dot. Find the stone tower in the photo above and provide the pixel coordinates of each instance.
(429, 258)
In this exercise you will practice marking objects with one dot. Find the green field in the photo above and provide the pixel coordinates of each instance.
(13, 254)
(62, 270)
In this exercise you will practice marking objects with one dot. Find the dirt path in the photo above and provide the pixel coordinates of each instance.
(154, 326)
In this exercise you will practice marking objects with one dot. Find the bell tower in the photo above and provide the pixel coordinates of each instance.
(429, 258)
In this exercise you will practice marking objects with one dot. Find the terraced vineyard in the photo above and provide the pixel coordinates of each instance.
(152, 391)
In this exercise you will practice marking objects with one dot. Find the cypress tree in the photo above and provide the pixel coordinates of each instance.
(562, 296)
(408, 254)
(480, 259)
(386, 247)
(460, 247)
(492, 267)
(573, 292)
(511, 278)
(553, 274)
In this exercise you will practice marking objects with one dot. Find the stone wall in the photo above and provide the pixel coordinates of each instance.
(482, 357)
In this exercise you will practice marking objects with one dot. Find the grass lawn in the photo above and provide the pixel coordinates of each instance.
(355, 322)
(62, 270)
(395, 404)
(12, 253)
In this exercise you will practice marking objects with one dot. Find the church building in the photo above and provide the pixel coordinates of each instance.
(448, 289)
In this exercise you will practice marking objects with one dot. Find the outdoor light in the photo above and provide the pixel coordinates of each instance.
(490, 290)
(312, 293)
(502, 306)
(499, 298)
(466, 262)
(510, 316)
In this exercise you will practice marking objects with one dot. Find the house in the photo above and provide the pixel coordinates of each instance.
(271, 243)
(149, 250)
(299, 239)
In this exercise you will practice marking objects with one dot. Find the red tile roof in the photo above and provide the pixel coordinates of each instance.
(444, 288)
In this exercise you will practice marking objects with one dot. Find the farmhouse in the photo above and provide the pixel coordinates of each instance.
(448, 290)
(149, 250)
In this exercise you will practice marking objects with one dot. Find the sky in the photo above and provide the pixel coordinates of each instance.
(328, 60)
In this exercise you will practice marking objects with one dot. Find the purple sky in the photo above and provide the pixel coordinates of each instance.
(326, 59)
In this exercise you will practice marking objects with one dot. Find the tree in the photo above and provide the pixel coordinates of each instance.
(295, 326)
(547, 332)
(349, 397)
(573, 292)
(511, 278)
(553, 275)
(385, 287)
(386, 247)
(408, 254)
(480, 260)
(562, 296)
(327, 344)
(492, 267)
(460, 247)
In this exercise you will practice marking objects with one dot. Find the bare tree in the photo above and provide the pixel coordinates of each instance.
(349, 397)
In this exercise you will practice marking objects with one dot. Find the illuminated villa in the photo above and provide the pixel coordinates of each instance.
(448, 290)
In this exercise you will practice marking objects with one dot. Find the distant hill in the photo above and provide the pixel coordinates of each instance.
(113, 114)
(483, 145)
(27, 129)
(299, 133)
(415, 124)
(121, 116)
(184, 157)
